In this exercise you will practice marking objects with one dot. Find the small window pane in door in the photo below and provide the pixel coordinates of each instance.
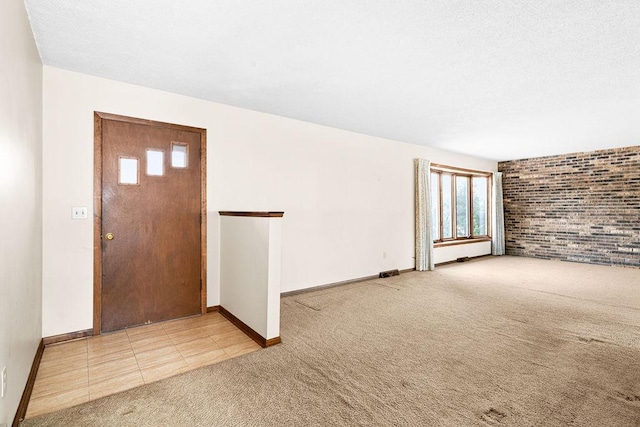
(155, 162)
(128, 171)
(179, 155)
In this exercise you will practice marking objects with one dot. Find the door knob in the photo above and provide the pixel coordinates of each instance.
(109, 236)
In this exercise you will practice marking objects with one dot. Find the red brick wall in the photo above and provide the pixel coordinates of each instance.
(581, 207)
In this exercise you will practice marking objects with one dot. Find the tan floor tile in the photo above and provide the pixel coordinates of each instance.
(229, 332)
(220, 328)
(145, 332)
(69, 347)
(213, 318)
(198, 346)
(102, 354)
(60, 383)
(159, 372)
(221, 322)
(115, 384)
(52, 365)
(101, 372)
(90, 368)
(160, 356)
(108, 338)
(57, 402)
(101, 344)
(188, 335)
(240, 349)
(151, 343)
(183, 324)
(231, 338)
(61, 351)
(206, 358)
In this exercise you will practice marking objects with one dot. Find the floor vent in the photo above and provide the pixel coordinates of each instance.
(389, 273)
(462, 259)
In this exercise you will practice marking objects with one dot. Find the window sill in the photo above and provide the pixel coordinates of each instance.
(461, 242)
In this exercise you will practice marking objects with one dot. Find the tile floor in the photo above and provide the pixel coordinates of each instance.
(78, 371)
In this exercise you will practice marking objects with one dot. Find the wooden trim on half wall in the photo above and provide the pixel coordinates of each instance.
(28, 388)
(272, 341)
(263, 342)
(98, 117)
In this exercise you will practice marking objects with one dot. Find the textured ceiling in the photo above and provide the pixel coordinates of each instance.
(495, 79)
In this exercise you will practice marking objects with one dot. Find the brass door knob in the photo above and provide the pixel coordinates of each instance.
(109, 236)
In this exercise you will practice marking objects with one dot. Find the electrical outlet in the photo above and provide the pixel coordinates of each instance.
(4, 381)
(79, 212)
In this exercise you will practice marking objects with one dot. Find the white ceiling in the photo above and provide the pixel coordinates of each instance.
(500, 79)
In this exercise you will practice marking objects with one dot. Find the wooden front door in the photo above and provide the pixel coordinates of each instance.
(151, 221)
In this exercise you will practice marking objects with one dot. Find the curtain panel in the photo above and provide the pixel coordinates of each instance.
(424, 238)
(497, 241)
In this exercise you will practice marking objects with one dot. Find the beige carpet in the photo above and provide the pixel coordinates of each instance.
(496, 341)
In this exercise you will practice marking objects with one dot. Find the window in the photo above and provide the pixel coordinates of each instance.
(128, 173)
(460, 204)
(480, 193)
(435, 203)
(155, 162)
(179, 155)
(447, 207)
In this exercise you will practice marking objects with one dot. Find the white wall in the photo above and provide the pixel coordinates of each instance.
(20, 201)
(347, 197)
(250, 258)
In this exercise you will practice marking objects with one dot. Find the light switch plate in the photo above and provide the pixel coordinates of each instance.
(79, 212)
